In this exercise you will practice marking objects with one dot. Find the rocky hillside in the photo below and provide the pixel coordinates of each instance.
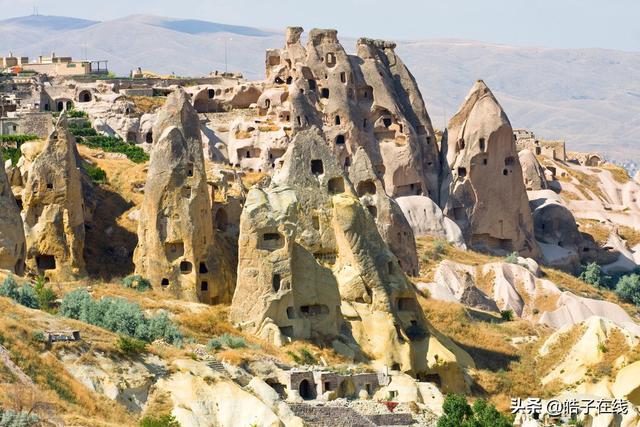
(308, 250)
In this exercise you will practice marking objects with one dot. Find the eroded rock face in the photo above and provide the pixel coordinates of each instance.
(12, 243)
(532, 171)
(485, 193)
(369, 100)
(53, 209)
(176, 248)
(392, 224)
(370, 113)
(314, 266)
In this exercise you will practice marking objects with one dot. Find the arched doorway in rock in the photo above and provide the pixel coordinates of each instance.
(84, 96)
(306, 390)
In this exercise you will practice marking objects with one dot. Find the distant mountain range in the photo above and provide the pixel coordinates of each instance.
(590, 97)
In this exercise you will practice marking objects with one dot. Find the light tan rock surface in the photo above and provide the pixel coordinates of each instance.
(587, 351)
(12, 242)
(485, 192)
(532, 171)
(313, 265)
(176, 247)
(53, 209)
(199, 397)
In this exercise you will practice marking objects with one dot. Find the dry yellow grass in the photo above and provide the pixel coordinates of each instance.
(269, 128)
(251, 178)
(587, 182)
(147, 104)
(596, 229)
(631, 235)
(243, 134)
(620, 174)
(56, 387)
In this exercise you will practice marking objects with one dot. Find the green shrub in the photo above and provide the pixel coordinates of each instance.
(304, 357)
(507, 315)
(160, 421)
(512, 258)
(27, 296)
(10, 418)
(39, 336)
(137, 282)
(9, 288)
(82, 132)
(96, 174)
(76, 114)
(214, 344)
(593, 275)
(81, 124)
(24, 295)
(628, 288)
(128, 345)
(45, 294)
(10, 153)
(438, 247)
(115, 145)
(120, 316)
(458, 413)
(18, 139)
(232, 341)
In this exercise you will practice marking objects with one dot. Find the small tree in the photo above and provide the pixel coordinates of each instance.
(128, 345)
(512, 258)
(27, 296)
(456, 411)
(9, 288)
(628, 288)
(593, 275)
(137, 282)
(45, 295)
(507, 315)
(160, 421)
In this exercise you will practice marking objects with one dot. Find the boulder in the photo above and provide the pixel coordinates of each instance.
(532, 172)
(426, 219)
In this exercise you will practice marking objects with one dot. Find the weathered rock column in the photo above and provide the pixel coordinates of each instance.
(53, 210)
(175, 231)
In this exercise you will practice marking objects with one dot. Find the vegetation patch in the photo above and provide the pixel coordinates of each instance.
(120, 316)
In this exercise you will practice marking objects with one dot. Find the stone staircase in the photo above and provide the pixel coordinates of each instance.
(217, 366)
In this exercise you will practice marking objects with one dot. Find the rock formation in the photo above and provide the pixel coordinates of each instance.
(313, 266)
(386, 212)
(175, 233)
(367, 102)
(561, 244)
(12, 243)
(53, 208)
(370, 100)
(484, 191)
(532, 171)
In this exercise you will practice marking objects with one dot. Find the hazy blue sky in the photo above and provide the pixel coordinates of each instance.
(553, 23)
